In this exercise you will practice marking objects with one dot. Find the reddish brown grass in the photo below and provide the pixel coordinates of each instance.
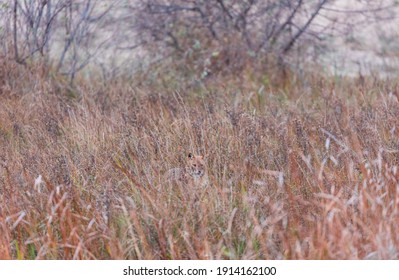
(297, 171)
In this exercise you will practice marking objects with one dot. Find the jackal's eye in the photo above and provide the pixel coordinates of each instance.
(194, 165)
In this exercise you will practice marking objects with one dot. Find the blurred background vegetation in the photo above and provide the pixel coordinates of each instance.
(201, 39)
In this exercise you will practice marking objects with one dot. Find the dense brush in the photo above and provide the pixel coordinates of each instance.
(299, 171)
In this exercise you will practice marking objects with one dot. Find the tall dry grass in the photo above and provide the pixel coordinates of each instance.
(305, 169)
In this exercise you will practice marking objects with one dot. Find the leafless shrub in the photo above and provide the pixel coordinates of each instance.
(219, 34)
(60, 32)
(208, 36)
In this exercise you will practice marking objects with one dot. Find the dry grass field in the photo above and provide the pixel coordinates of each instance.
(299, 168)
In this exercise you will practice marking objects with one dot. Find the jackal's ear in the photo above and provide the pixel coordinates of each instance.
(190, 156)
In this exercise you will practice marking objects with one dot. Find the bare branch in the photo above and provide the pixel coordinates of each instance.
(305, 27)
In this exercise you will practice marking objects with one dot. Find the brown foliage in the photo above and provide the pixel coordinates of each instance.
(298, 171)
